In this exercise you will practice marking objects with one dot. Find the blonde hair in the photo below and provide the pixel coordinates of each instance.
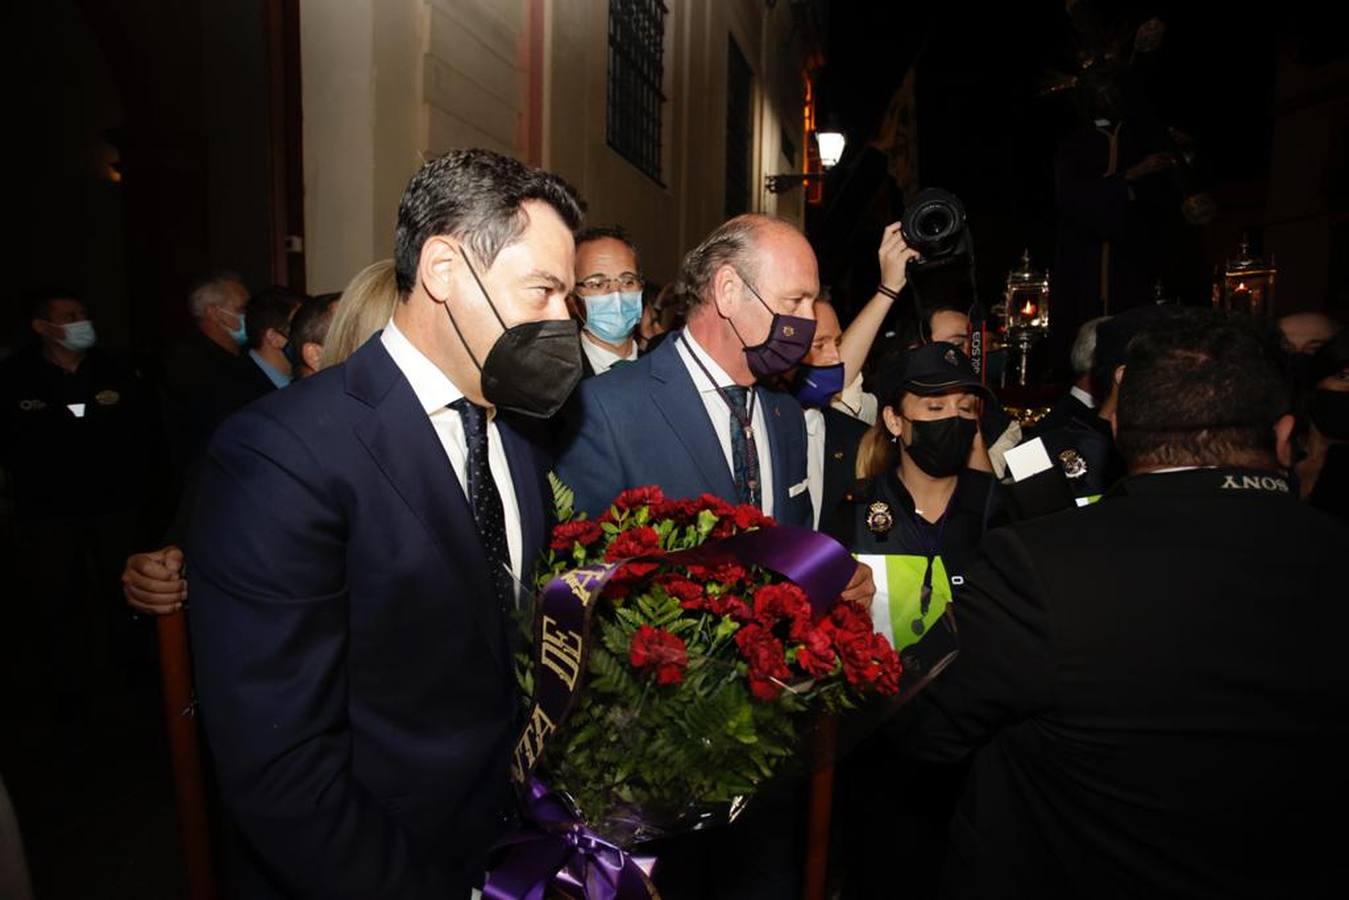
(876, 450)
(364, 308)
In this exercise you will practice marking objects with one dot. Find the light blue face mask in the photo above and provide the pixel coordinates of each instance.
(240, 334)
(612, 317)
(79, 336)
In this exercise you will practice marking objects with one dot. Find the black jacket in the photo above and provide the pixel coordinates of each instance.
(1154, 692)
(842, 434)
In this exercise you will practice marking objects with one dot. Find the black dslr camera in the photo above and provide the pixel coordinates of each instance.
(934, 225)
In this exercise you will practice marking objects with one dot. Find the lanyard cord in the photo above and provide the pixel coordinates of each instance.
(746, 422)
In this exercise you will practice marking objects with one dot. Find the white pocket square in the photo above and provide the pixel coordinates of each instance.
(798, 489)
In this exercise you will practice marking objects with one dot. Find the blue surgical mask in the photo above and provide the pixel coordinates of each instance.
(240, 334)
(816, 385)
(612, 317)
(79, 336)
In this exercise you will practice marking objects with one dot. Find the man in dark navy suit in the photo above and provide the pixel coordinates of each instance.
(354, 548)
(691, 417)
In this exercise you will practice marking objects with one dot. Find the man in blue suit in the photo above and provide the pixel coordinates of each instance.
(690, 417)
(354, 549)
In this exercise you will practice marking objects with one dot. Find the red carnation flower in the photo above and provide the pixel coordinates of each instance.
(747, 517)
(689, 594)
(767, 662)
(639, 541)
(731, 606)
(728, 573)
(774, 603)
(816, 655)
(639, 496)
(714, 505)
(656, 648)
(583, 532)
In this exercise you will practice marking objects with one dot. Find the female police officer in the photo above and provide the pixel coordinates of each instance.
(927, 493)
(926, 497)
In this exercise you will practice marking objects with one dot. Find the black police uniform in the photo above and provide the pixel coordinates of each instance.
(1153, 693)
(73, 444)
(894, 812)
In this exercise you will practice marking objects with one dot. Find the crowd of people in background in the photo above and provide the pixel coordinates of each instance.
(1033, 752)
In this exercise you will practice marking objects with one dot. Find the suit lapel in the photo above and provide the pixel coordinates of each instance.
(529, 497)
(775, 426)
(403, 443)
(674, 394)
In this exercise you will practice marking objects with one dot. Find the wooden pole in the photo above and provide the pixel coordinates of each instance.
(816, 878)
(189, 786)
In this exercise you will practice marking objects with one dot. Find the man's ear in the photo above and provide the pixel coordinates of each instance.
(436, 266)
(726, 290)
(312, 355)
(44, 329)
(275, 339)
(1283, 440)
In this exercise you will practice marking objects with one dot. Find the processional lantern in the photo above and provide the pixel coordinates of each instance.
(1026, 313)
(1247, 284)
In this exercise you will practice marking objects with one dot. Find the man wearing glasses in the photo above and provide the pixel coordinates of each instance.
(608, 298)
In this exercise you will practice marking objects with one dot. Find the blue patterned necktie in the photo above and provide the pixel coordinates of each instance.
(483, 497)
(743, 450)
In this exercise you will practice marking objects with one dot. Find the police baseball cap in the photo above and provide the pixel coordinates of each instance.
(935, 368)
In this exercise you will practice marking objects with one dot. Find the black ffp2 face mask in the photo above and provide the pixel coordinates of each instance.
(1330, 413)
(941, 447)
(532, 367)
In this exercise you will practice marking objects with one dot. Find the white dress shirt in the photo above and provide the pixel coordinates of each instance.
(1083, 396)
(436, 392)
(602, 359)
(720, 413)
(855, 402)
(815, 459)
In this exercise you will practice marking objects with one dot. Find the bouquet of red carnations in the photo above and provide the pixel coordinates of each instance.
(689, 661)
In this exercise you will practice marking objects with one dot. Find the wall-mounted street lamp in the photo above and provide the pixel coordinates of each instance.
(830, 144)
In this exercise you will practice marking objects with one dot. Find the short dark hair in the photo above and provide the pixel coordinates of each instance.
(609, 232)
(1201, 388)
(38, 302)
(476, 196)
(310, 325)
(270, 309)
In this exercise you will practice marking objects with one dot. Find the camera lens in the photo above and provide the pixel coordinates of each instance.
(934, 223)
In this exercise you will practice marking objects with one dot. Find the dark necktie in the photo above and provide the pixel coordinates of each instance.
(743, 451)
(483, 497)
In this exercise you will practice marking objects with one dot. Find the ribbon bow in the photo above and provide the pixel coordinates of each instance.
(556, 848)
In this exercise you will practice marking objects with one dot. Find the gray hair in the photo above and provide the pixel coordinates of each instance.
(731, 243)
(213, 290)
(1084, 346)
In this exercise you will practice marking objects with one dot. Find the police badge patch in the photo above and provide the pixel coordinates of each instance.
(1073, 465)
(879, 518)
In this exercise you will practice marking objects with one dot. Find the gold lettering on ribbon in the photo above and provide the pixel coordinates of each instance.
(582, 584)
(560, 652)
(530, 745)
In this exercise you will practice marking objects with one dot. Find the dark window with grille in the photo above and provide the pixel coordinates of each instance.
(739, 90)
(636, 72)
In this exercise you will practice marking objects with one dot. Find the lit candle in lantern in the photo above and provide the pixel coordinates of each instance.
(1029, 310)
(1241, 297)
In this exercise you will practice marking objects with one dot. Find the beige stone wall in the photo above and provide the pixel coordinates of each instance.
(390, 82)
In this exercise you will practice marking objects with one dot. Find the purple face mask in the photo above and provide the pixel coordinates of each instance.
(788, 341)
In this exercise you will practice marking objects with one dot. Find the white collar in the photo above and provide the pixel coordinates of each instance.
(1084, 396)
(1170, 469)
(689, 349)
(814, 421)
(602, 358)
(433, 387)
